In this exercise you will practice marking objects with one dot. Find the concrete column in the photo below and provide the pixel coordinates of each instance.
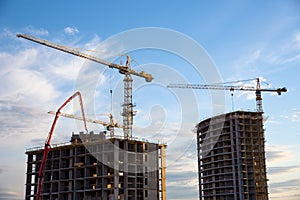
(116, 169)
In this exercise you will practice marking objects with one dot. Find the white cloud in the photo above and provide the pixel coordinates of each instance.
(93, 44)
(36, 31)
(297, 40)
(293, 116)
(271, 57)
(182, 171)
(283, 52)
(64, 66)
(276, 154)
(283, 167)
(6, 33)
(291, 59)
(71, 30)
(28, 86)
(21, 59)
(34, 79)
(253, 57)
(21, 81)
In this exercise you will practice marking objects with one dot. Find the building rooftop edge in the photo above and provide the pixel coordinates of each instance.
(119, 137)
(224, 114)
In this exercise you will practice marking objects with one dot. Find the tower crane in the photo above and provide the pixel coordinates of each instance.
(125, 70)
(257, 90)
(108, 125)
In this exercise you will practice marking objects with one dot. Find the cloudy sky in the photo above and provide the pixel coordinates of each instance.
(175, 41)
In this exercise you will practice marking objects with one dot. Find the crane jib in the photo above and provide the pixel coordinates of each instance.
(122, 69)
(232, 88)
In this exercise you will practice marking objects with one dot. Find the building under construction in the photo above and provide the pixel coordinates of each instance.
(231, 157)
(96, 167)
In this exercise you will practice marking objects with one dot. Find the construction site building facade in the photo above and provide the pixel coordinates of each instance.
(94, 167)
(231, 157)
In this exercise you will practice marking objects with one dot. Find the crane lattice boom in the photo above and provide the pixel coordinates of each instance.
(122, 69)
(257, 90)
(109, 125)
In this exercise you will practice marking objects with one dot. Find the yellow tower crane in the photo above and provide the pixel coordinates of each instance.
(125, 70)
(108, 125)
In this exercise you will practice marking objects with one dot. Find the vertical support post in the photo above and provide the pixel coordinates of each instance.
(163, 171)
(116, 169)
(238, 157)
(125, 173)
(199, 151)
(74, 173)
(233, 155)
(28, 176)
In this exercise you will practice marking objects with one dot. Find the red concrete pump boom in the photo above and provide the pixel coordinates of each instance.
(48, 140)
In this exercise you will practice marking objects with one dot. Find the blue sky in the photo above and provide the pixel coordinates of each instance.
(244, 39)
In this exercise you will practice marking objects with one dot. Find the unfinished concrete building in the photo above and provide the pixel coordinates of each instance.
(231, 157)
(94, 167)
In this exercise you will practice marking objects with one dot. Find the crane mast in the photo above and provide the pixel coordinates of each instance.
(257, 90)
(258, 96)
(128, 105)
(125, 70)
